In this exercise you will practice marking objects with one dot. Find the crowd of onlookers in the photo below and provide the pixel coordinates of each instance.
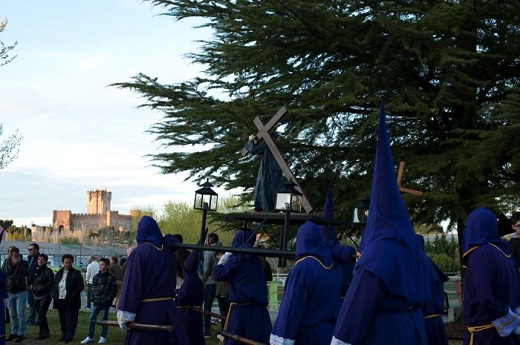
(32, 287)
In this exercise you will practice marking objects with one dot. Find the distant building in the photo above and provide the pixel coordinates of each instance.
(82, 225)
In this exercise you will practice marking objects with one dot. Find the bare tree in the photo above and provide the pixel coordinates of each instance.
(5, 58)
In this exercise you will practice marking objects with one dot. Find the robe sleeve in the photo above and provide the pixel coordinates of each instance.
(292, 308)
(223, 272)
(358, 308)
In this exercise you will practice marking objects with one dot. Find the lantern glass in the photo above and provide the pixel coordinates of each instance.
(360, 214)
(206, 198)
(289, 199)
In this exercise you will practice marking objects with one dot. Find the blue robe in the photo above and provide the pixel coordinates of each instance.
(191, 293)
(376, 316)
(310, 303)
(391, 279)
(247, 293)
(433, 309)
(491, 286)
(148, 290)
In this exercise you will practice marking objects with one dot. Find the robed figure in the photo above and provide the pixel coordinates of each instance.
(148, 292)
(390, 281)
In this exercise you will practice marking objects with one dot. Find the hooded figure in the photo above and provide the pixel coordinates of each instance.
(247, 291)
(491, 287)
(309, 307)
(148, 292)
(191, 293)
(432, 310)
(391, 280)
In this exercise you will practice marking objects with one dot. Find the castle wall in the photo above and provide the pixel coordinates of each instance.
(77, 225)
(61, 218)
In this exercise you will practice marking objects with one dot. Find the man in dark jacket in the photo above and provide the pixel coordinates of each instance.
(17, 271)
(32, 259)
(104, 290)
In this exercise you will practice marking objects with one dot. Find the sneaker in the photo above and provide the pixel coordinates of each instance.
(19, 339)
(87, 341)
(11, 337)
(102, 340)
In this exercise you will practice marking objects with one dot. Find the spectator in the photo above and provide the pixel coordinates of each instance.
(210, 285)
(514, 242)
(104, 290)
(3, 297)
(42, 283)
(4, 268)
(117, 272)
(66, 293)
(148, 294)
(92, 270)
(17, 271)
(491, 283)
(32, 259)
(247, 291)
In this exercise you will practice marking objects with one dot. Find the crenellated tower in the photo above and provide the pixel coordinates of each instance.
(98, 201)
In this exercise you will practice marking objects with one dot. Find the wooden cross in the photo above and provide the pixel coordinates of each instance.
(399, 179)
(263, 133)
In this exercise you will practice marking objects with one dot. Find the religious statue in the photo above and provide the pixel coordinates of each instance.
(270, 177)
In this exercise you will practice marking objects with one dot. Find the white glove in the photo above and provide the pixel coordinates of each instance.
(123, 325)
(224, 258)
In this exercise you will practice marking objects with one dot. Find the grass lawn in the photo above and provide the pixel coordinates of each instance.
(115, 334)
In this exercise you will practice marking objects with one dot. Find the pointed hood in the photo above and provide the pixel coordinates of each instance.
(481, 228)
(329, 230)
(388, 247)
(148, 231)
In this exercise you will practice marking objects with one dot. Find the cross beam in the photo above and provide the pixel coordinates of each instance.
(399, 179)
(268, 126)
(281, 162)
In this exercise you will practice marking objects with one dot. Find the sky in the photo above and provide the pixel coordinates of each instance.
(80, 134)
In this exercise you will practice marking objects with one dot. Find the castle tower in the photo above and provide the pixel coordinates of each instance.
(98, 201)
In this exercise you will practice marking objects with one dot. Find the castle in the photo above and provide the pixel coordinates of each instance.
(79, 225)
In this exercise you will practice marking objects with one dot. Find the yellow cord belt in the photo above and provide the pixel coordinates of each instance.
(474, 329)
(431, 316)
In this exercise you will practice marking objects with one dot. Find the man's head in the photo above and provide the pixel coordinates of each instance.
(104, 264)
(212, 238)
(92, 259)
(515, 223)
(34, 249)
(114, 260)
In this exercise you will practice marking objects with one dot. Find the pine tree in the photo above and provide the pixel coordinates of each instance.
(446, 71)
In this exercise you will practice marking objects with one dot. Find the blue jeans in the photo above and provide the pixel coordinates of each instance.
(92, 324)
(16, 304)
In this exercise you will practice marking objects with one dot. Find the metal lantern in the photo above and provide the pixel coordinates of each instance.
(206, 198)
(289, 198)
(360, 214)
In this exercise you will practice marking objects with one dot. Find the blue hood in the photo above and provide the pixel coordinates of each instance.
(481, 228)
(310, 242)
(148, 231)
(388, 247)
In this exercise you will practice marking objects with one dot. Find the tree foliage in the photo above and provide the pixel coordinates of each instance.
(5, 58)
(447, 71)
